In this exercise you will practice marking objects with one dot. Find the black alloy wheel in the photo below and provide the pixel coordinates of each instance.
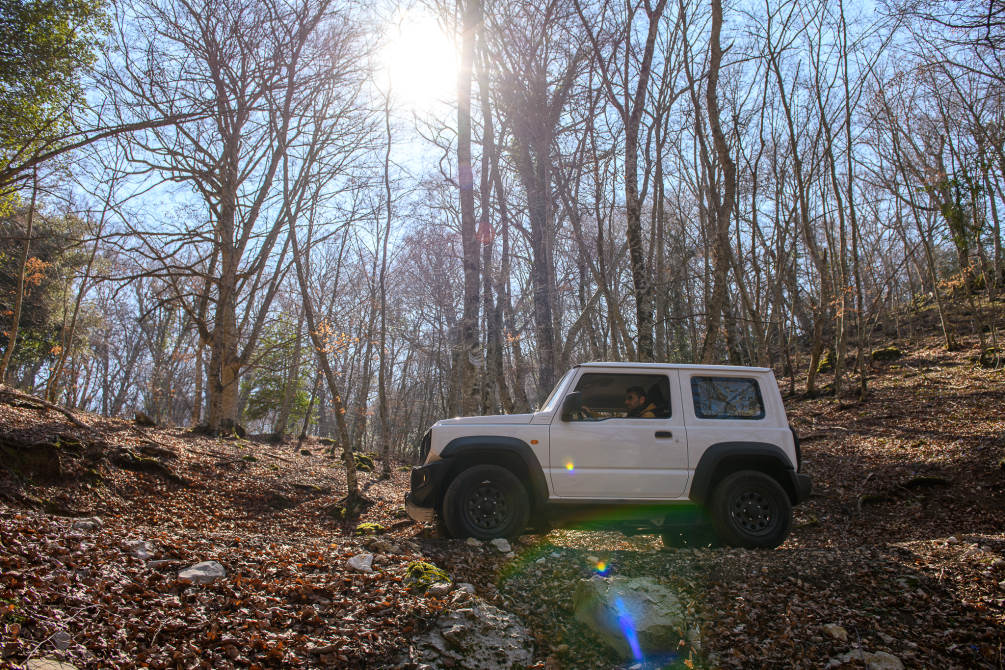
(753, 512)
(486, 502)
(750, 509)
(486, 507)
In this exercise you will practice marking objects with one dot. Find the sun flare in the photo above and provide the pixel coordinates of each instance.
(420, 62)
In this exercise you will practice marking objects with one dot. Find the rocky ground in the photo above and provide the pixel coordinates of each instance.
(897, 560)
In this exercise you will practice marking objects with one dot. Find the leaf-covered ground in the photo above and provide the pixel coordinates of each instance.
(902, 546)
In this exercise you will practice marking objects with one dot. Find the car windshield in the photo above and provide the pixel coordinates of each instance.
(552, 398)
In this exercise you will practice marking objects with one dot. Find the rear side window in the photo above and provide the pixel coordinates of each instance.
(726, 398)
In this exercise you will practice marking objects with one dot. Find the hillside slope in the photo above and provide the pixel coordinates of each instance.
(902, 546)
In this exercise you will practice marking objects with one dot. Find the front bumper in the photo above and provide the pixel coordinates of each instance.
(420, 514)
(425, 495)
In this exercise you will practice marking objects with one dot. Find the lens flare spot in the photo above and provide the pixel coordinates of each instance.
(570, 466)
(627, 625)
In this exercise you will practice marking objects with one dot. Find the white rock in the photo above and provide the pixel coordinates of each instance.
(61, 640)
(361, 563)
(160, 563)
(952, 540)
(473, 542)
(502, 544)
(439, 589)
(475, 637)
(140, 548)
(464, 586)
(88, 524)
(836, 632)
(203, 573)
(694, 637)
(879, 660)
(48, 664)
(381, 546)
(655, 613)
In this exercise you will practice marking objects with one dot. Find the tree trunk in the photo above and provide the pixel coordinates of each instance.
(722, 206)
(289, 387)
(385, 420)
(19, 295)
(470, 349)
(321, 351)
(224, 369)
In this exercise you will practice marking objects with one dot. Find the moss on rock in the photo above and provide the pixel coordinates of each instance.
(363, 462)
(369, 529)
(826, 363)
(990, 358)
(420, 575)
(886, 354)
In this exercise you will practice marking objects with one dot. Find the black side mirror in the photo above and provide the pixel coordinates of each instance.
(571, 405)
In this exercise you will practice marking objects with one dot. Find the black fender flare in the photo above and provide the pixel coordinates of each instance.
(483, 447)
(751, 454)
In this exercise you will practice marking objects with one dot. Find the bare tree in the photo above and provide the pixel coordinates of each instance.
(722, 201)
(19, 289)
(536, 61)
(618, 68)
(249, 70)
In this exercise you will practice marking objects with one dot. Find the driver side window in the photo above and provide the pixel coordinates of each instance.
(621, 396)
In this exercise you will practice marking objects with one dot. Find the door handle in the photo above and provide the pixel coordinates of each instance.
(664, 433)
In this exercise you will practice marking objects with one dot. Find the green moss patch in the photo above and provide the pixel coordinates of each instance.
(363, 462)
(886, 354)
(368, 529)
(826, 363)
(420, 575)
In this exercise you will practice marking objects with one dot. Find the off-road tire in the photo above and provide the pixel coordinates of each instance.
(486, 502)
(751, 510)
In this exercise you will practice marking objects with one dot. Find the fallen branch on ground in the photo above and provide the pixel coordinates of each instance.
(45, 404)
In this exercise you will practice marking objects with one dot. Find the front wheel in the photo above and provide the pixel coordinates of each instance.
(486, 502)
(750, 509)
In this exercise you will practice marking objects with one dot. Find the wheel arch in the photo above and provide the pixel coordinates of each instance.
(724, 458)
(509, 452)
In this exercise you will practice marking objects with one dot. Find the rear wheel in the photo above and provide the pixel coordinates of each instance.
(486, 502)
(750, 509)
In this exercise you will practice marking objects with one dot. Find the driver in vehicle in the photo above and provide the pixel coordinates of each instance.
(637, 406)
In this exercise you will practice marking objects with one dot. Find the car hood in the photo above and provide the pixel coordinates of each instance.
(486, 420)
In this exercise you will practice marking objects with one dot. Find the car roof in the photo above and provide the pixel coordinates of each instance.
(673, 366)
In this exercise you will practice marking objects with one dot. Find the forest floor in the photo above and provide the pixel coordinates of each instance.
(902, 546)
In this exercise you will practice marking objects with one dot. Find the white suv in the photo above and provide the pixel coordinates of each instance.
(640, 447)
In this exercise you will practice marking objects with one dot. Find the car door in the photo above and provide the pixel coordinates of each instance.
(613, 457)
